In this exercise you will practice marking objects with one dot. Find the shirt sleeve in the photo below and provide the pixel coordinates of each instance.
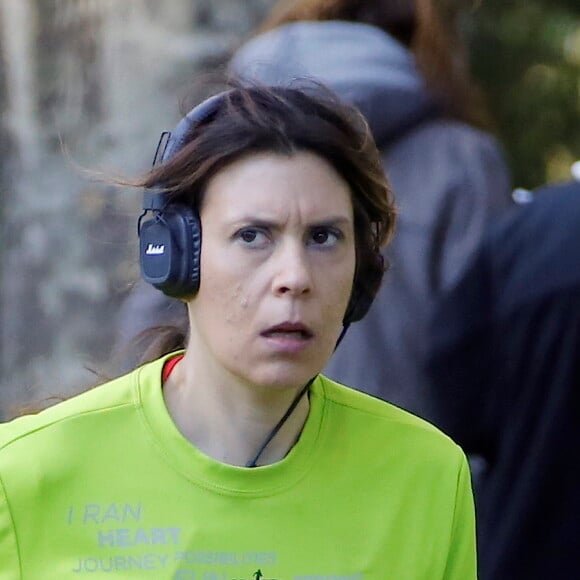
(9, 556)
(462, 557)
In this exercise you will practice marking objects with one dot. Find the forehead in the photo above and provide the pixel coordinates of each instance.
(301, 184)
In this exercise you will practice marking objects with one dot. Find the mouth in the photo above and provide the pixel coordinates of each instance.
(288, 330)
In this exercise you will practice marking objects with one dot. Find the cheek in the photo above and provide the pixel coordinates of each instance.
(220, 320)
(336, 297)
(227, 303)
(342, 300)
(224, 296)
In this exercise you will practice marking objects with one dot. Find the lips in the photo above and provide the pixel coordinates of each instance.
(292, 330)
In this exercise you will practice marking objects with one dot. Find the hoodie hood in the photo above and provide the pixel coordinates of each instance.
(362, 64)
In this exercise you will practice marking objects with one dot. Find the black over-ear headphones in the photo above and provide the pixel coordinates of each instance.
(170, 242)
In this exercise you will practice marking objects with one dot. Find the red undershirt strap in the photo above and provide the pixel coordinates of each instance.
(169, 366)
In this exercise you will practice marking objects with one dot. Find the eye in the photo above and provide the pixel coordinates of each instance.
(252, 237)
(325, 237)
(248, 236)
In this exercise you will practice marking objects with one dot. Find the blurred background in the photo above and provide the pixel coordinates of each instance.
(88, 85)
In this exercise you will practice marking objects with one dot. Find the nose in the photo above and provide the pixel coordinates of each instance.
(293, 271)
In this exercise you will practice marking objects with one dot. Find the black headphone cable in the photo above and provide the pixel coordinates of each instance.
(253, 462)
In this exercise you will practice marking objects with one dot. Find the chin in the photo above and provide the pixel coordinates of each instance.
(282, 378)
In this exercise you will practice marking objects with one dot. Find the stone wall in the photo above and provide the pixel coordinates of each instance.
(86, 87)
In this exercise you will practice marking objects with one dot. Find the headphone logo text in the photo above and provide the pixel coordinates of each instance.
(155, 249)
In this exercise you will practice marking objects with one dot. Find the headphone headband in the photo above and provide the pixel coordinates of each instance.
(179, 136)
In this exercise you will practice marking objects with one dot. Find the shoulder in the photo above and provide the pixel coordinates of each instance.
(456, 135)
(511, 247)
(85, 412)
(444, 140)
(372, 419)
(448, 159)
(551, 204)
(457, 141)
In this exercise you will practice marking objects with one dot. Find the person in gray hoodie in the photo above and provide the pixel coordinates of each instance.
(395, 61)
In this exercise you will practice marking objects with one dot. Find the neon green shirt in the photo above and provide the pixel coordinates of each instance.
(104, 486)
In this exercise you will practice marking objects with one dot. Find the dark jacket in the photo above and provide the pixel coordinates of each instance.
(505, 365)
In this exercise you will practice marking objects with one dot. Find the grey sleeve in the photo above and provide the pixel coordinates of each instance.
(450, 180)
(479, 190)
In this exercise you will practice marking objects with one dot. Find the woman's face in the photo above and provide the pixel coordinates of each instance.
(277, 267)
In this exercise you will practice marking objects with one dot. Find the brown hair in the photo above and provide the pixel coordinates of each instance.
(427, 27)
(284, 120)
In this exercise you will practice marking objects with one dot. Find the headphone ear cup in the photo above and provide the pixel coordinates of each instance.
(363, 295)
(360, 303)
(170, 251)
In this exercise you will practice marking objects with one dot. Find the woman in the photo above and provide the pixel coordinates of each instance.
(400, 63)
(235, 458)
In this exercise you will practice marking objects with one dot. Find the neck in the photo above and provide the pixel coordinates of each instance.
(229, 420)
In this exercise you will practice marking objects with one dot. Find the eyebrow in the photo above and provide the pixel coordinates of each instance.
(339, 220)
